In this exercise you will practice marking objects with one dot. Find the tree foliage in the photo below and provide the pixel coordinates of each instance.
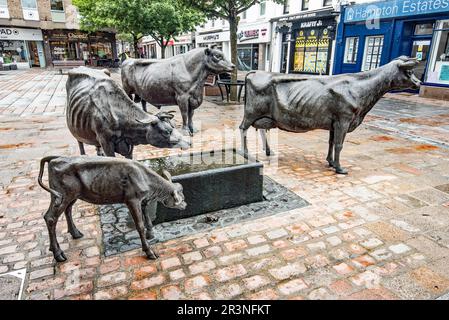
(162, 19)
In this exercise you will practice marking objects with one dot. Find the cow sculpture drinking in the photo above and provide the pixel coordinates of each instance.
(175, 81)
(101, 180)
(299, 103)
(100, 113)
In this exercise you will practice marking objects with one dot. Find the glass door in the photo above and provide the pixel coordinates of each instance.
(420, 51)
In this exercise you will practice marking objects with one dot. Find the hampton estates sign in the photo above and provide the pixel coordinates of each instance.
(394, 8)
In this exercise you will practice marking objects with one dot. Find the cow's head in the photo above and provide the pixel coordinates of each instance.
(162, 132)
(216, 61)
(405, 78)
(175, 198)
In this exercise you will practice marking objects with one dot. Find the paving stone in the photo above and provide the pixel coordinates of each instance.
(399, 248)
(292, 286)
(288, 271)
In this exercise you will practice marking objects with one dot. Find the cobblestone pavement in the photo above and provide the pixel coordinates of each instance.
(381, 232)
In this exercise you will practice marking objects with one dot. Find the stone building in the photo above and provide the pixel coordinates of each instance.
(35, 33)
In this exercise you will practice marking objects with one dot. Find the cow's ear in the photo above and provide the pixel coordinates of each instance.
(409, 64)
(207, 51)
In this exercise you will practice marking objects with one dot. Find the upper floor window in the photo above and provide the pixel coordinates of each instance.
(305, 5)
(4, 3)
(244, 14)
(287, 6)
(327, 3)
(29, 4)
(262, 7)
(57, 5)
(213, 23)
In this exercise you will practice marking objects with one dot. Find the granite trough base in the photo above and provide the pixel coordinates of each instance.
(120, 235)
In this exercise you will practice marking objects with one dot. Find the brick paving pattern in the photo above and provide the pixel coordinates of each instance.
(379, 233)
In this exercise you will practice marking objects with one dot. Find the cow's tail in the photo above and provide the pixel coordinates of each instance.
(58, 196)
(246, 91)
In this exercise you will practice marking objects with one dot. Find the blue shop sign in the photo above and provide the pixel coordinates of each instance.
(394, 8)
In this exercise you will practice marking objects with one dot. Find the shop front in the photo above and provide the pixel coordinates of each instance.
(93, 49)
(306, 42)
(218, 39)
(21, 48)
(371, 35)
(253, 47)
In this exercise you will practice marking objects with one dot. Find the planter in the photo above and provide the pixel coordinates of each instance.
(211, 180)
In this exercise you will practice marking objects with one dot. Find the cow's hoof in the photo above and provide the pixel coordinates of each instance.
(186, 132)
(269, 153)
(60, 256)
(340, 170)
(151, 255)
(330, 163)
(77, 234)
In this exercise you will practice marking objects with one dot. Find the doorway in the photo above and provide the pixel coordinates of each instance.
(34, 54)
(420, 51)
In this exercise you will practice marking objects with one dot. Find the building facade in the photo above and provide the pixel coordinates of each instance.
(372, 34)
(35, 33)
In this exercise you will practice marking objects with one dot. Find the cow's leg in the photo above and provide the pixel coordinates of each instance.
(73, 230)
(266, 147)
(330, 152)
(340, 130)
(51, 219)
(130, 152)
(99, 151)
(190, 120)
(135, 209)
(243, 132)
(81, 146)
(144, 105)
(184, 108)
(149, 234)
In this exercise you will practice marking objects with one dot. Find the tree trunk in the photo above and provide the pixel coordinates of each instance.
(136, 47)
(233, 26)
(163, 48)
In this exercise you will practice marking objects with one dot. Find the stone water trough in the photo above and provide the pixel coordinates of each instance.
(212, 180)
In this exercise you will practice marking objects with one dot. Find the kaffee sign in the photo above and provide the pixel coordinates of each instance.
(7, 33)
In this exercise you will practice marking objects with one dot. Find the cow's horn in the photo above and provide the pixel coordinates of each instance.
(149, 120)
(167, 174)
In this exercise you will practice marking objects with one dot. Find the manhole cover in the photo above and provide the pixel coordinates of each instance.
(11, 285)
(120, 235)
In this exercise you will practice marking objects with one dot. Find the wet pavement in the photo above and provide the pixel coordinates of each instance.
(381, 232)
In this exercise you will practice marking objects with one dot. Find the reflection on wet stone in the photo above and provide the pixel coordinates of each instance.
(120, 235)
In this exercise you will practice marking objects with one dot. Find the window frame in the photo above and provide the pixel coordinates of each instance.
(29, 8)
(57, 10)
(262, 4)
(303, 5)
(355, 51)
(327, 5)
(286, 7)
(379, 54)
(4, 5)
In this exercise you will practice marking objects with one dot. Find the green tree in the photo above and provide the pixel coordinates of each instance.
(162, 19)
(228, 10)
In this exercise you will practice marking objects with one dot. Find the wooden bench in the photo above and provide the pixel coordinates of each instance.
(69, 64)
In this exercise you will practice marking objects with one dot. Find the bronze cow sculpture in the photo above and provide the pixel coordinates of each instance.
(100, 113)
(299, 103)
(101, 180)
(177, 80)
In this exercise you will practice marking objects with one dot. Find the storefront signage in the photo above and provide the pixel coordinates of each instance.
(394, 8)
(311, 24)
(20, 34)
(305, 16)
(258, 33)
(212, 37)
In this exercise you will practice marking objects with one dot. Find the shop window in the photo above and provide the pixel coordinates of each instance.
(101, 50)
(351, 49)
(29, 4)
(327, 3)
(262, 6)
(57, 5)
(312, 51)
(248, 57)
(438, 70)
(423, 29)
(373, 52)
(287, 6)
(13, 51)
(305, 5)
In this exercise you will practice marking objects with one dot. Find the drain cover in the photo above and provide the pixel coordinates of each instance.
(11, 285)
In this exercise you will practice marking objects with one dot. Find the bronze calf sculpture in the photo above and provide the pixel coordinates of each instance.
(299, 103)
(177, 80)
(101, 180)
(100, 113)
